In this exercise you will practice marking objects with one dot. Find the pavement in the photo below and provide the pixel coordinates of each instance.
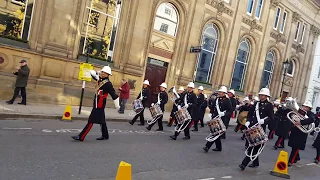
(38, 149)
(47, 111)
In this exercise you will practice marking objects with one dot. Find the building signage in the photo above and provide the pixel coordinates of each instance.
(84, 72)
(196, 49)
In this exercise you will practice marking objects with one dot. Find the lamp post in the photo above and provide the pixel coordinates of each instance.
(285, 66)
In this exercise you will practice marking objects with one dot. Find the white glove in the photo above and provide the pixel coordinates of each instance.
(158, 102)
(94, 75)
(174, 90)
(179, 107)
(237, 106)
(187, 105)
(116, 103)
(221, 114)
(210, 116)
(261, 121)
(305, 116)
(152, 104)
(141, 97)
(247, 124)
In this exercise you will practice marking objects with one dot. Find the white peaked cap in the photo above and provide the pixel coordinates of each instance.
(200, 87)
(223, 89)
(191, 84)
(246, 99)
(146, 82)
(264, 91)
(277, 102)
(181, 88)
(107, 70)
(231, 91)
(163, 85)
(307, 104)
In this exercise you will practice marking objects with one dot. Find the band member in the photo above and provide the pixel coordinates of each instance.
(316, 122)
(261, 112)
(203, 108)
(243, 108)
(97, 116)
(273, 126)
(162, 100)
(283, 125)
(143, 96)
(188, 100)
(197, 108)
(221, 107)
(233, 101)
(298, 139)
(316, 144)
(175, 108)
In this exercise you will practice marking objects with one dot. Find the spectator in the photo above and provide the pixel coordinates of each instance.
(22, 73)
(124, 95)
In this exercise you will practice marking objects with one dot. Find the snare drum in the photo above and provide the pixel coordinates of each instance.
(255, 135)
(182, 115)
(217, 126)
(137, 106)
(155, 111)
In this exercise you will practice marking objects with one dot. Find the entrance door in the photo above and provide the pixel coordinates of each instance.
(156, 74)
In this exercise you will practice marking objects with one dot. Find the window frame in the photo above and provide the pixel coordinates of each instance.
(261, 8)
(283, 21)
(272, 68)
(296, 36)
(279, 19)
(252, 8)
(293, 69)
(302, 33)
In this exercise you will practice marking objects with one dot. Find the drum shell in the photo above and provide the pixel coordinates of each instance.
(255, 135)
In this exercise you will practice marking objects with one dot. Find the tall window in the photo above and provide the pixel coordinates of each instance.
(268, 70)
(98, 33)
(16, 18)
(276, 21)
(240, 66)
(259, 9)
(284, 20)
(297, 32)
(207, 56)
(166, 19)
(290, 70)
(302, 33)
(250, 7)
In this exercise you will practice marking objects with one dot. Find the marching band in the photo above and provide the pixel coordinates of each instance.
(284, 119)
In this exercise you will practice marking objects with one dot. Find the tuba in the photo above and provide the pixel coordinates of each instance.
(297, 115)
(242, 117)
(173, 94)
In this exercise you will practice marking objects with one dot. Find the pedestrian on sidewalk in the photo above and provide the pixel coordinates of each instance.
(22, 73)
(124, 95)
(97, 116)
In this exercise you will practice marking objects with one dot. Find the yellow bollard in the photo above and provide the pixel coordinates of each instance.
(281, 167)
(67, 113)
(124, 171)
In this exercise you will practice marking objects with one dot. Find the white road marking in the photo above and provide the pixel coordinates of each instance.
(226, 177)
(6, 128)
(109, 130)
(207, 179)
(313, 164)
(46, 130)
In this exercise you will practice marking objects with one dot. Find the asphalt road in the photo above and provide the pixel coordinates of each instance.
(38, 150)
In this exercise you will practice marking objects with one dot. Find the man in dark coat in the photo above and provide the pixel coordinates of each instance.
(261, 112)
(22, 74)
(187, 100)
(242, 108)
(298, 139)
(197, 108)
(103, 89)
(143, 96)
(124, 95)
(316, 144)
(162, 101)
(175, 108)
(203, 108)
(221, 107)
(231, 95)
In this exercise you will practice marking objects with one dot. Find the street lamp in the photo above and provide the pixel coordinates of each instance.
(285, 66)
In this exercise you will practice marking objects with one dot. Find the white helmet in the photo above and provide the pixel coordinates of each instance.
(308, 104)
(146, 82)
(107, 70)
(277, 102)
(223, 89)
(181, 88)
(200, 88)
(191, 84)
(289, 99)
(231, 91)
(163, 85)
(264, 91)
(205, 96)
(246, 99)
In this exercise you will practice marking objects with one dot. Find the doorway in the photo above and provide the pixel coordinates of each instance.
(156, 71)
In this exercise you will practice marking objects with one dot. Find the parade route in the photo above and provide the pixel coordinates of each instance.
(37, 150)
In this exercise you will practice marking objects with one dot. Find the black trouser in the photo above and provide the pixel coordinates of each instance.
(246, 160)
(23, 94)
(280, 142)
(159, 123)
(141, 118)
(195, 123)
(294, 155)
(218, 144)
(271, 133)
(318, 153)
(87, 128)
(226, 123)
(239, 127)
(171, 120)
(201, 121)
(186, 130)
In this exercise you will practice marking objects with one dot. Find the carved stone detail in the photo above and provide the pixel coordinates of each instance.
(278, 37)
(299, 48)
(315, 30)
(274, 3)
(295, 17)
(252, 23)
(288, 81)
(220, 7)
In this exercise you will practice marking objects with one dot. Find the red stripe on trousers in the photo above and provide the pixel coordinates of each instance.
(86, 132)
(240, 127)
(272, 132)
(294, 156)
(281, 139)
(190, 124)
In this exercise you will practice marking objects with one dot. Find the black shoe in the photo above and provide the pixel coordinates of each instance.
(242, 167)
(275, 147)
(253, 165)
(216, 149)
(186, 138)
(159, 130)
(223, 137)
(173, 137)
(194, 130)
(201, 126)
(131, 123)
(148, 127)
(316, 161)
(76, 138)
(206, 149)
(289, 164)
(102, 138)
(168, 125)
(121, 112)
(140, 124)
(281, 147)
(9, 102)
(22, 103)
(242, 138)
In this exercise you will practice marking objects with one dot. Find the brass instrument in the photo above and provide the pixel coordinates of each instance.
(173, 94)
(242, 117)
(316, 132)
(296, 115)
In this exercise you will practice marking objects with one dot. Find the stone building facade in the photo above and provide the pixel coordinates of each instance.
(242, 44)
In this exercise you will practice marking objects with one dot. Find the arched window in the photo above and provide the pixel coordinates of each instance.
(240, 66)
(166, 19)
(290, 69)
(268, 70)
(207, 56)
